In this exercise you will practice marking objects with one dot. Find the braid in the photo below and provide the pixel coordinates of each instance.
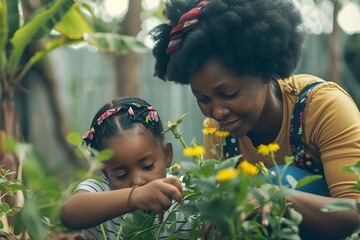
(119, 115)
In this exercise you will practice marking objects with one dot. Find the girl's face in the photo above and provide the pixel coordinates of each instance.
(138, 158)
(236, 102)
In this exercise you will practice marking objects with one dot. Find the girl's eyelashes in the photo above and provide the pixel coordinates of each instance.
(122, 177)
(148, 167)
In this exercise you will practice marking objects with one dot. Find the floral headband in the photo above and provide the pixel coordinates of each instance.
(187, 21)
(150, 117)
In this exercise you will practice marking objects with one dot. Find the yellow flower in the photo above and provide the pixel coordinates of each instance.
(248, 168)
(222, 133)
(266, 149)
(208, 131)
(227, 174)
(176, 165)
(194, 151)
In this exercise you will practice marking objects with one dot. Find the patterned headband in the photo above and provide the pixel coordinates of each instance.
(151, 117)
(187, 21)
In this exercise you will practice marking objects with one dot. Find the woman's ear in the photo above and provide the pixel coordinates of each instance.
(168, 150)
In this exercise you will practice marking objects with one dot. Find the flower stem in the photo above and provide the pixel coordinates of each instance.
(165, 220)
(183, 142)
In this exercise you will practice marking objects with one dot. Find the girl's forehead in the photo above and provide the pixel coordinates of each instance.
(136, 140)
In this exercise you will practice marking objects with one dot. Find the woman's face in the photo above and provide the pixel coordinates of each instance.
(236, 102)
(138, 158)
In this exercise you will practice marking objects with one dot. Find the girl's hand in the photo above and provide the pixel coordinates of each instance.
(157, 195)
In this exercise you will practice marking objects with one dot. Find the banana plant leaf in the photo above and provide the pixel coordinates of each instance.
(73, 24)
(26, 33)
(40, 54)
(13, 16)
(112, 42)
(4, 30)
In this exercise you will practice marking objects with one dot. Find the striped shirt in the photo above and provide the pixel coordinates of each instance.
(112, 226)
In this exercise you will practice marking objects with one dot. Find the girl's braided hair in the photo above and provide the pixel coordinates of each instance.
(122, 114)
(255, 37)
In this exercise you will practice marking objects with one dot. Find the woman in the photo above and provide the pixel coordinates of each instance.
(238, 57)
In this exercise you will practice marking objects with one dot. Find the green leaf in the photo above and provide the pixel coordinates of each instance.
(213, 150)
(178, 236)
(190, 195)
(5, 207)
(281, 194)
(53, 20)
(112, 42)
(172, 217)
(207, 186)
(339, 205)
(39, 24)
(29, 218)
(17, 187)
(9, 144)
(104, 155)
(292, 181)
(189, 208)
(73, 24)
(307, 180)
(208, 170)
(352, 168)
(80, 173)
(190, 166)
(295, 216)
(356, 165)
(3, 25)
(356, 187)
(13, 19)
(40, 54)
(258, 196)
(289, 160)
(74, 138)
(229, 163)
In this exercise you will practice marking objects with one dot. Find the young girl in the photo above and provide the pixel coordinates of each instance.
(135, 176)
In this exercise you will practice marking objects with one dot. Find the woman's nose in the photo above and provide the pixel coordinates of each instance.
(219, 111)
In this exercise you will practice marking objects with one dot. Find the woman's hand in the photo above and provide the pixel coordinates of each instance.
(266, 209)
(157, 195)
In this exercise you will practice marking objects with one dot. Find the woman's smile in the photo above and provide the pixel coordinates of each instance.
(231, 126)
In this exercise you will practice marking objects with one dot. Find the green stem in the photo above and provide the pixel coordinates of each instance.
(118, 237)
(142, 231)
(183, 142)
(165, 220)
(103, 231)
(222, 140)
(278, 176)
(170, 211)
(218, 156)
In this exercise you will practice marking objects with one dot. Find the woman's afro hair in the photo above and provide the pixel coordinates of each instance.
(257, 37)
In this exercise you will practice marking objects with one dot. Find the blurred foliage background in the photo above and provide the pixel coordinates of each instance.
(62, 92)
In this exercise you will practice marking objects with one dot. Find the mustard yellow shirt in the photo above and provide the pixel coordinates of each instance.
(331, 134)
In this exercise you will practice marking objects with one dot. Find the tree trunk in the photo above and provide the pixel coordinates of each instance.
(9, 126)
(335, 48)
(127, 71)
